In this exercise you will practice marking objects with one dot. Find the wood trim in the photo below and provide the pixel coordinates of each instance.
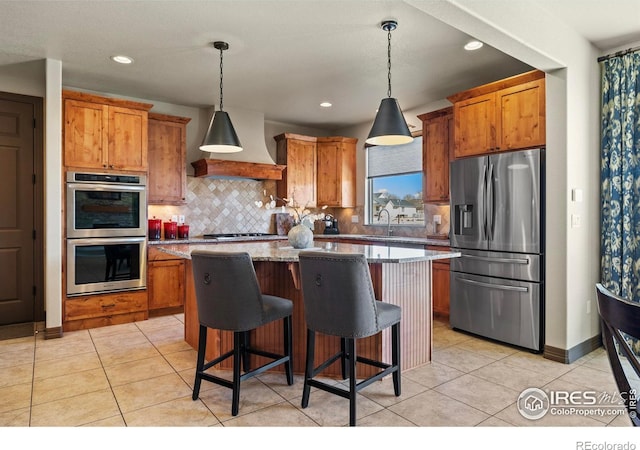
(220, 167)
(86, 97)
(574, 353)
(168, 118)
(299, 137)
(347, 140)
(497, 85)
(53, 333)
(434, 114)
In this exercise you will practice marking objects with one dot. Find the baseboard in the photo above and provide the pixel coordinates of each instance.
(53, 333)
(574, 353)
(17, 330)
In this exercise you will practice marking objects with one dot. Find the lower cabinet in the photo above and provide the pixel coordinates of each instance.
(92, 311)
(440, 285)
(165, 283)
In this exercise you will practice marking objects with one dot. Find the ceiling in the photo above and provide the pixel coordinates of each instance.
(285, 57)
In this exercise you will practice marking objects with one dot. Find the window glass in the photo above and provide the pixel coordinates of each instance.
(394, 184)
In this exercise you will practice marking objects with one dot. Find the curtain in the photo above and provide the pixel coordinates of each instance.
(620, 176)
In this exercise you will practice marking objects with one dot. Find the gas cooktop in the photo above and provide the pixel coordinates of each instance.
(234, 235)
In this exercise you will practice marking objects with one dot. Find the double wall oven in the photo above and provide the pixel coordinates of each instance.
(106, 232)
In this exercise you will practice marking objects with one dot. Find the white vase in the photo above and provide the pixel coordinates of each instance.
(300, 236)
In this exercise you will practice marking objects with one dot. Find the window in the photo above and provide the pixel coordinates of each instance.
(394, 183)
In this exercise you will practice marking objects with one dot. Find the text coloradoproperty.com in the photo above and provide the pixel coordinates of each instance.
(589, 445)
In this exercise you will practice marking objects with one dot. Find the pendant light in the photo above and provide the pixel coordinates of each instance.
(221, 137)
(389, 127)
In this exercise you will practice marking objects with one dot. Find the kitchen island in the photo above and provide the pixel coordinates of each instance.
(401, 276)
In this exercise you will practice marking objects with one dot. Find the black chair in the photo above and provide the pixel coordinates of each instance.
(229, 298)
(339, 301)
(620, 321)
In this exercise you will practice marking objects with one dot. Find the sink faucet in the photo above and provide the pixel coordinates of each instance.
(388, 219)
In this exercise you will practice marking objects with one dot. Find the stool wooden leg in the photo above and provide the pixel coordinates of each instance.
(343, 356)
(237, 356)
(245, 343)
(288, 350)
(202, 344)
(351, 345)
(308, 371)
(395, 357)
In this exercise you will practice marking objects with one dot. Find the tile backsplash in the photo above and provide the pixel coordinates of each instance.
(228, 206)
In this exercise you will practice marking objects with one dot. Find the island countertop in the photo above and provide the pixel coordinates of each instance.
(282, 251)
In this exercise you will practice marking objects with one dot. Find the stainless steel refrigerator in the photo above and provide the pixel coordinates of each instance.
(497, 223)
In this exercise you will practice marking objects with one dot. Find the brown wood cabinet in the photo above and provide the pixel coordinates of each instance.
(104, 133)
(440, 284)
(91, 311)
(437, 149)
(167, 180)
(505, 115)
(299, 154)
(336, 172)
(165, 282)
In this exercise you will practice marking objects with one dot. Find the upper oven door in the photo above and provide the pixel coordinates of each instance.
(106, 210)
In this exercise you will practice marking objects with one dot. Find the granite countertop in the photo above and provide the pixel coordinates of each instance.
(281, 251)
(444, 242)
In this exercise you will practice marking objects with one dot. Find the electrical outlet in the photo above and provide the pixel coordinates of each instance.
(174, 218)
(437, 219)
(354, 219)
(576, 221)
(181, 219)
(588, 306)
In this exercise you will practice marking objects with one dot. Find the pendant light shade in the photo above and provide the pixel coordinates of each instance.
(221, 137)
(389, 126)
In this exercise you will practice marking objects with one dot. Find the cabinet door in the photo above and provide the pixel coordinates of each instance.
(440, 288)
(435, 158)
(85, 134)
(167, 179)
(521, 118)
(166, 283)
(329, 173)
(475, 122)
(299, 178)
(127, 139)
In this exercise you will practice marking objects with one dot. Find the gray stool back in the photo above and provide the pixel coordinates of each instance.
(228, 297)
(339, 300)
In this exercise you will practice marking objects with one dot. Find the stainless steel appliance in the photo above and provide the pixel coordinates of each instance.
(330, 225)
(106, 205)
(497, 223)
(99, 265)
(106, 232)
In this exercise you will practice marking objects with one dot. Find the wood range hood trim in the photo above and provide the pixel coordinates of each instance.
(221, 168)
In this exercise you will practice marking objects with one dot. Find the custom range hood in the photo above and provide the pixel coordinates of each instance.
(254, 161)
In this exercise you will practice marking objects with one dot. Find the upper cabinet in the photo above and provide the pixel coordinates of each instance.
(298, 153)
(336, 172)
(505, 115)
(104, 133)
(320, 171)
(437, 145)
(167, 178)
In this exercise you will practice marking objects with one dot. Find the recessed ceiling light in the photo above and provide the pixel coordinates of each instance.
(122, 59)
(473, 45)
(326, 104)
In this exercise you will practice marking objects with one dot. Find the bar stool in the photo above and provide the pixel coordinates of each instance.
(229, 298)
(339, 301)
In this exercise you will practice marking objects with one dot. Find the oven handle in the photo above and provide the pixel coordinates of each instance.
(105, 187)
(493, 286)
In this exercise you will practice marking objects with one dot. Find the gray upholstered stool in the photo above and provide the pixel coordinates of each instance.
(229, 298)
(339, 301)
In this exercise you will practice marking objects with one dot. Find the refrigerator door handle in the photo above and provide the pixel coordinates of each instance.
(497, 260)
(483, 206)
(493, 286)
(490, 205)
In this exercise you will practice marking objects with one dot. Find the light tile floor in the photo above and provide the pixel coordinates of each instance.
(141, 374)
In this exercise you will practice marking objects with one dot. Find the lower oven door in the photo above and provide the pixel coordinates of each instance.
(505, 310)
(100, 265)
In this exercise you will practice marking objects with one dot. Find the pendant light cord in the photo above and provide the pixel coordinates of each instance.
(389, 63)
(220, 78)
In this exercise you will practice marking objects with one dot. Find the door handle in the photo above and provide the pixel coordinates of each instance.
(490, 203)
(497, 260)
(502, 287)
